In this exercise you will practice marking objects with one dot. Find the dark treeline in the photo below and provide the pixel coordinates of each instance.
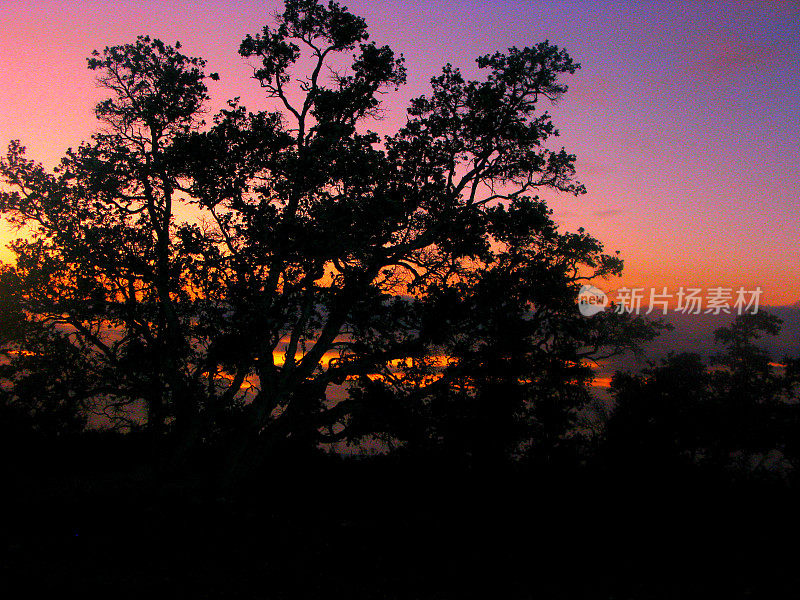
(687, 489)
(274, 355)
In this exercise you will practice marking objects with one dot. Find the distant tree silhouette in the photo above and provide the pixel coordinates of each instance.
(224, 277)
(739, 414)
(662, 415)
(750, 391)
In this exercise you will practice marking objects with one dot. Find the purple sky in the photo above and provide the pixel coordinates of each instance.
(684, 117)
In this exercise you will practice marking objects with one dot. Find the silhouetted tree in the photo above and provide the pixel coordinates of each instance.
(736, 415)
(224, 277)
(662, 415)
(749, 389)
(43, 376)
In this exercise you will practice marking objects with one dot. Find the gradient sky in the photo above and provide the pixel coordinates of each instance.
(685, 116)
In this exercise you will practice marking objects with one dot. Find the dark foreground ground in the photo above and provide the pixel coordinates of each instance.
(384, 529)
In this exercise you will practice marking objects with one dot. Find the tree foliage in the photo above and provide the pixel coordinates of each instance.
(225, 277)
(736, 413)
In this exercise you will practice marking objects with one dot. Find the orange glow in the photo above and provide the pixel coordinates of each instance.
(602, 382)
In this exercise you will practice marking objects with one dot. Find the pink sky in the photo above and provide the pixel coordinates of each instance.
(684, 117)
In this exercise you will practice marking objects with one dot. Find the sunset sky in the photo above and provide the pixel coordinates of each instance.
(685, 116)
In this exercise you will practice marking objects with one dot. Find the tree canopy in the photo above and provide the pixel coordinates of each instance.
(289, 275)
(738, 414)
